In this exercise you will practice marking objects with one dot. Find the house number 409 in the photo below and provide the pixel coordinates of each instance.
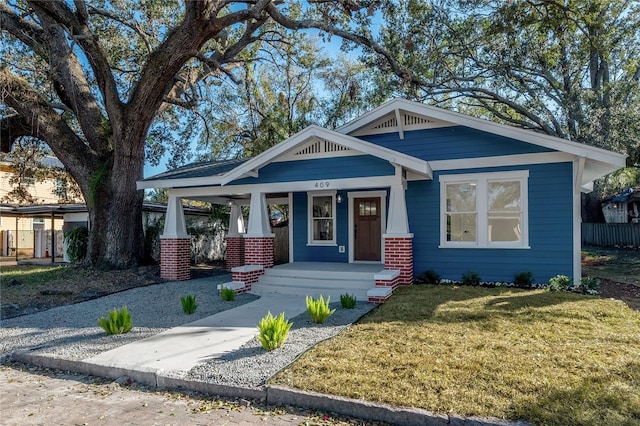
(322, 184)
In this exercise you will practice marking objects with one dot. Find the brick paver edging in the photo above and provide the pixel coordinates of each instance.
(272, 395)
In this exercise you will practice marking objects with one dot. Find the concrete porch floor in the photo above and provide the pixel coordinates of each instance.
(331, 266)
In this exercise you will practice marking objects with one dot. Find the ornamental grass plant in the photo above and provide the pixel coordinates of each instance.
(273, 331)
(118, 321)
(553, 358)
(318, 309)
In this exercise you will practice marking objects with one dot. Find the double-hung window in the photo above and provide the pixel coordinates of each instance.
(484, 210)
(322, 218)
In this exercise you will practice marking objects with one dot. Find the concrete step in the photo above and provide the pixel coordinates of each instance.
(303, 291)
(331, 283)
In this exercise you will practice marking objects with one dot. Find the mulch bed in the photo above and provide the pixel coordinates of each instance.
(628, 293)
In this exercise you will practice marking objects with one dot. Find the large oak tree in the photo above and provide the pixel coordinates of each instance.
(90, 78)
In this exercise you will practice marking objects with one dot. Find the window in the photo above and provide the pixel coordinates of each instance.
(484, 210)
(322, 220)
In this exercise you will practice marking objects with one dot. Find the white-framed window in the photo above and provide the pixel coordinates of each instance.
(322, 218)
(484, 210)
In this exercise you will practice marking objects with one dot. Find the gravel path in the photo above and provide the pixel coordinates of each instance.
(71, 332)
(251, 366)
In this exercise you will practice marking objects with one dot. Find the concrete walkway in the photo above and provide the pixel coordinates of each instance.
(175, 351)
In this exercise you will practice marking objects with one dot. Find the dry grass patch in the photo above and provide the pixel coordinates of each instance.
(550, 358)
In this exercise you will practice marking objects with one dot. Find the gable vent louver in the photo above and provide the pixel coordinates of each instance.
(321, 147)
(412, 120)
(390, 123)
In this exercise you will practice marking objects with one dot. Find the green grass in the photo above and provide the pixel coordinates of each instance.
(613, 264)
(546, 357)
(32, 274)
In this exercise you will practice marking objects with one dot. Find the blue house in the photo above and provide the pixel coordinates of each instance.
(404, 188)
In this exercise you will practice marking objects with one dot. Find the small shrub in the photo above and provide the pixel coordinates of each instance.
(228, 294)
(77, 240)
(428, 277)
(273, 331)
(348, 301)
(318, 309)
(119, 321)
(189, 304)
(589, 285)
(471, 278)
(524, 279)
(560, 283)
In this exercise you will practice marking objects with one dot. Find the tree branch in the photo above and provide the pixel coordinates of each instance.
(43, 123)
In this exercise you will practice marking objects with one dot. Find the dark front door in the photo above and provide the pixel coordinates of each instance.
(367, 233)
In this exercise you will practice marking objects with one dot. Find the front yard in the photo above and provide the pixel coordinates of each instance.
(546, 357)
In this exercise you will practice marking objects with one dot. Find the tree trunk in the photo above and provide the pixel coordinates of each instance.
(115, 212)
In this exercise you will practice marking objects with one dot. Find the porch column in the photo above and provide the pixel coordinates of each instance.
(258, 241)
(175, 244)
(235, 242)
(398, 241)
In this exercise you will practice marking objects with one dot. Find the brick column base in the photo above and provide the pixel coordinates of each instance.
(234, 255)
(175, 259)
(258, 251)
(398, 254)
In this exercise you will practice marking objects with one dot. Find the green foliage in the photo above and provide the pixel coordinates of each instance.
(348, 301)
(118, 322)
(471, 278)
(560, 283)
(273, 331)
(428, 277)
(77, 240)
(589, 285)
(318, 309)
(189, 304)
(227, 294)
(524, 279)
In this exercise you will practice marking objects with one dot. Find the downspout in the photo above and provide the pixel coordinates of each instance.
(578, 167)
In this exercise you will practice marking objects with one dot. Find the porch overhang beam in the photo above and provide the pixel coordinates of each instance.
(298, 186)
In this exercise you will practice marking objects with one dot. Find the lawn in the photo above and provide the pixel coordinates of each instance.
(546, 357)
(613, 264)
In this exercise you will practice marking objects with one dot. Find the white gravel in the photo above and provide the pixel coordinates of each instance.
(251, 366)
(71, 331)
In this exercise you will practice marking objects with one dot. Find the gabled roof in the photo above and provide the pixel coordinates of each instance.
(252, 166)
(222, 173)
(435, 116)
(397, 115)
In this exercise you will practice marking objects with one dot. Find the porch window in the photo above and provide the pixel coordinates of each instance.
(322, 207)
(484, 210)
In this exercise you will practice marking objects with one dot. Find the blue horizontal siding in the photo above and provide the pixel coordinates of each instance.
(323, 168)
(305, 253)
(550, 230)
(451, 143)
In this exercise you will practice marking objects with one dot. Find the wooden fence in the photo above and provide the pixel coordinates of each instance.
(611, 234)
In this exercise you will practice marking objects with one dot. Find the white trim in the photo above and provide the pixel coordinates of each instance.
(297, 186)
(502, 160)
(314, 132)
(291, 222)
(310, 218)
(382, 195)
(482, 217)
(524, 135)
(577, 223)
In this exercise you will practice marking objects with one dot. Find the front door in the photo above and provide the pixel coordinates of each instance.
(367, 229)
